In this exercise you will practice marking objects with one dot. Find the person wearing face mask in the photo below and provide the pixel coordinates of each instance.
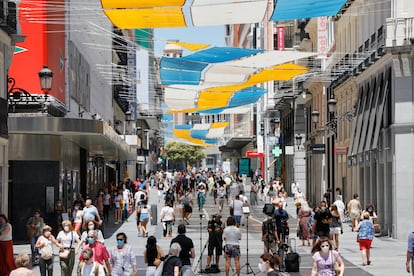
(68, 238)
(269, 264)
(44, 243)
(326, 261)
(6, 246)
(77, 218)
(100, 253)
(281, 217)
(92, 226)
(87, 267)
(321, 221)
(123, 259)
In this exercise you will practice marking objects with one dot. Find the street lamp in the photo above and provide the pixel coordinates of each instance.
(332, 124)
(298, 139)
(45, 77)
(21, 95)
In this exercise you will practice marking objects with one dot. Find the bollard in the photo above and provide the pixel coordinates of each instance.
(154, 212)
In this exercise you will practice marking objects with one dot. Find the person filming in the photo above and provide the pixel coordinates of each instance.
(215, 239)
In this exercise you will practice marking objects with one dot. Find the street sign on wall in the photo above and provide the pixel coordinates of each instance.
(318, 148)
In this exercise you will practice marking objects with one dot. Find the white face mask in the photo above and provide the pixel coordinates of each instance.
(325, 249)
(66, 228)
(91, 227)
(47, 234)
(262, 267)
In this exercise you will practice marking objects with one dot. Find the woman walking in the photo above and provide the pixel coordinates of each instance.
(68, 238)
(23, 266)
(167, 218)
(123, 259)
(365, 236)
(44, 244)
(335, 228)
(232, 235)
(269, 264)
(145, 216)
(324, 259)
(6, 246)
(303, 217)
(152, 255)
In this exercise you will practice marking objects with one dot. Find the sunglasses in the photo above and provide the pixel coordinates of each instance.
(86, 259)
(120, 239)
(89, 237)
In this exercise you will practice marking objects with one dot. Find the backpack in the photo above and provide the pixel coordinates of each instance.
(160, 268)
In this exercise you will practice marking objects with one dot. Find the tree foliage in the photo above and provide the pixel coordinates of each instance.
(190, 154)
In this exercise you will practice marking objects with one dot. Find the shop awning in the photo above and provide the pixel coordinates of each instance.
(94, 135)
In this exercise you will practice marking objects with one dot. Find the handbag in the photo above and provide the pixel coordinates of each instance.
(46, 252)
(299, 233)
(64, 254)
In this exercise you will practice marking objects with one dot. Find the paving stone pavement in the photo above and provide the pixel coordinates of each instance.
(388, 255)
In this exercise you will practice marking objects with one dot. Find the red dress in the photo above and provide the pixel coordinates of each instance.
(6, 255)
(303, 223)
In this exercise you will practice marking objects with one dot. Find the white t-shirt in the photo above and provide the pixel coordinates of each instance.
(66, 238)
(232, 235)
(168, 213)
(106, 199)
(126, 194)
(237, 206)
(137, 197)
(89, 269)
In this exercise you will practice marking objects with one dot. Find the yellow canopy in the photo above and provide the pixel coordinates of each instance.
(147, 18)
(190, 46)
(218, 97)
(219, 124)
(134, 4)
(185, 134)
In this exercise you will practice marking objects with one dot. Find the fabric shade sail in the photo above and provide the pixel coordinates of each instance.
(210, 12)
(214, 99)
(220, 66)
(138, 14)
(201, 134)
(297, 9)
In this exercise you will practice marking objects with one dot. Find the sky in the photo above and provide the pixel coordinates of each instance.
(210, 35)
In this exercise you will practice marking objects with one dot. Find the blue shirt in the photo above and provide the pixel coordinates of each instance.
(366, 231)
(411, 245)
(280, 215)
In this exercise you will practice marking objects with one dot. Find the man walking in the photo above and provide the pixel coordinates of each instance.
(90, 212)
(187, 248)
(281, 217)
(321, 221)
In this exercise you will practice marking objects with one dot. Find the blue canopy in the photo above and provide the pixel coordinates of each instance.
(297, 9)
(188, 69)
(199, 133)
(183, 127)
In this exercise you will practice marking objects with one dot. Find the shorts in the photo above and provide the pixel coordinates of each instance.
(334, 230)
(238, 219)
(232, 250)
(354, 215)
(364, 244)
(211, 247)
(188, 208)
(144, 217)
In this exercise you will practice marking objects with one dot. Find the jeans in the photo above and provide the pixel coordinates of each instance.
(46, 266)
(125, 212)
(33, 243)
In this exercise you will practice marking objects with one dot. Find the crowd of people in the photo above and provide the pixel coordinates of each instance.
(320, 227)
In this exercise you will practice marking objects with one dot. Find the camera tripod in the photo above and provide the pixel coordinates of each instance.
(249, 269)
(200, 260)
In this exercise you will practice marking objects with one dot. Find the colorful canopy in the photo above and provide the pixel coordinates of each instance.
(297, 9)
(136, 14)
(195, 98)
(220, 66)
(201, 134)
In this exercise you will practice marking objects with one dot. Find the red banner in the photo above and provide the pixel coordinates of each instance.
(281, 38)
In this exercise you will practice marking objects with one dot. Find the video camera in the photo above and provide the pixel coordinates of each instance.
(269, 209)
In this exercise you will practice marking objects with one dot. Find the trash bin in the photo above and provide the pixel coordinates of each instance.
(154, 212)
